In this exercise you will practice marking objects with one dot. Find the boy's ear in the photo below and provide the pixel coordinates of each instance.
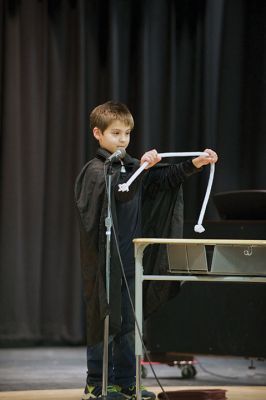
(97, 133)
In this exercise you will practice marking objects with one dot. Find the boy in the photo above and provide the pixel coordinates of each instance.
(155, 193)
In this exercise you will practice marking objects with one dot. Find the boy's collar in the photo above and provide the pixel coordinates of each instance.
(104, 154)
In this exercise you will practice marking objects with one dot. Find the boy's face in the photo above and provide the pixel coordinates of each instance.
(116, 136)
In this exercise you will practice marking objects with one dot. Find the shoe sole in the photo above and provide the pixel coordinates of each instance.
(92, 396)
(133, 396)
(88, 396)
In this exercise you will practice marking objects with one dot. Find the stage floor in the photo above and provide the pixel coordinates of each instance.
(59, 373)
(233, 393)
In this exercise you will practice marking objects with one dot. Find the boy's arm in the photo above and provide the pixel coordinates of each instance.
(164, 176)
(153, 157)
(170, 176)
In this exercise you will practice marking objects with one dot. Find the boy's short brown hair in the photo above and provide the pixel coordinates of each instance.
(104, 114)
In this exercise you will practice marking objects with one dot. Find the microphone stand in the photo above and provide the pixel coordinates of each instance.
(108, 225)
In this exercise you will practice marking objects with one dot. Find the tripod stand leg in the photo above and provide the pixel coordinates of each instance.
(108, 224)
(105, 357)
(138, 377)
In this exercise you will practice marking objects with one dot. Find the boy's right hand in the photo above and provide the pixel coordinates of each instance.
(152, 157)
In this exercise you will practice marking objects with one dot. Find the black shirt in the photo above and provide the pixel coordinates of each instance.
(129, 227)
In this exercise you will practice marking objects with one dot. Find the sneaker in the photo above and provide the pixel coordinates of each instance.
(130, 393)
(94, 392)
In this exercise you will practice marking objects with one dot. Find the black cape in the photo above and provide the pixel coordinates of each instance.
(162, 216)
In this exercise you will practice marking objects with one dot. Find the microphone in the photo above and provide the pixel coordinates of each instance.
(117, 155)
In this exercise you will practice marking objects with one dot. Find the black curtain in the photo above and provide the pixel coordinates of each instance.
(193, 75)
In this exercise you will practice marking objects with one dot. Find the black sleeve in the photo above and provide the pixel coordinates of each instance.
(165, 176)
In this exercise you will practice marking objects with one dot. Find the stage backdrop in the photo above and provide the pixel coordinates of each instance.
(193, 73)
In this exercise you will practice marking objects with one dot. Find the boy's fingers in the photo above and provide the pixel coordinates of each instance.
(152, 157)
(212, 155)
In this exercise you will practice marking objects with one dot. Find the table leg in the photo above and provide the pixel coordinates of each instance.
(138, 322)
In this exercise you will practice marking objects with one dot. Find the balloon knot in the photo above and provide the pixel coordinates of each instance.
(199, 228)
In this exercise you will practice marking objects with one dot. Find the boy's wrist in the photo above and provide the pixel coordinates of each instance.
(197, 162)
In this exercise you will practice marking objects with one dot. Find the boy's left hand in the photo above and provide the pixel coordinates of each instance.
(205, 160)
(152, 157)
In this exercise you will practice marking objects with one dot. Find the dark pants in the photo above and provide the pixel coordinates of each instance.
(121, 362)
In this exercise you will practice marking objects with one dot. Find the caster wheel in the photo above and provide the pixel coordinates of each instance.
(188, 371)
